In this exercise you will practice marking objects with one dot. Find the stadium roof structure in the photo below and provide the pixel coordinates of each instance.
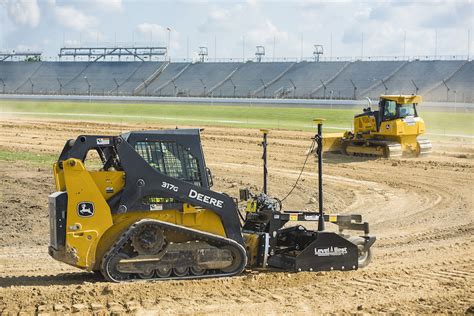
(96, 53)
(17, 54)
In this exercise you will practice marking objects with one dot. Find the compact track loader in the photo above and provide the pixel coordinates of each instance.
(148, 212)
(391, 131)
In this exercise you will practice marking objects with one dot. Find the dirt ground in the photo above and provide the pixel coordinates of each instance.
(421, 210)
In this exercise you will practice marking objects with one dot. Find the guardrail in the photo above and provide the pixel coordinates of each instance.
(302, 103)
(280, 59)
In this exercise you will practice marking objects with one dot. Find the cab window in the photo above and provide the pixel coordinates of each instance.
(390, 110)
(407, 110)
(171, 159)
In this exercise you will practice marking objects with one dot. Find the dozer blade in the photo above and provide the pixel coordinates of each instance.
(332, 142)
(329, 251)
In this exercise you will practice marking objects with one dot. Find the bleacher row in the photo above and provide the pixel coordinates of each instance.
(435, 80)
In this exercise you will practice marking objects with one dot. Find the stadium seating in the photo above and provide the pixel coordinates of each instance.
(461, 86)
(251, 79)
(421, 74)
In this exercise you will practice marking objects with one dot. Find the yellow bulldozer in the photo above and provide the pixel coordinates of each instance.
(391, 131)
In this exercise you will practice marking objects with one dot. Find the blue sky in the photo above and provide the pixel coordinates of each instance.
(285, 28)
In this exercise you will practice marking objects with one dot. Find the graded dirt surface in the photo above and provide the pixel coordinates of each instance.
(421, 210)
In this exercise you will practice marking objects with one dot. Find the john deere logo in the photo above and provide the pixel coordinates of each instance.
(85, 209)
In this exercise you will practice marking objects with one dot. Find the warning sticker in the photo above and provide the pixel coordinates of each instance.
(293, 217)
(103, 141)
(333, 218)
(156, 207)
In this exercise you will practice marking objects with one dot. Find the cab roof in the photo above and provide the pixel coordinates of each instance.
(164, 132)
(403, 99)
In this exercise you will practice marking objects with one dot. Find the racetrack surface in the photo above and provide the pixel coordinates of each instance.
(421, 210)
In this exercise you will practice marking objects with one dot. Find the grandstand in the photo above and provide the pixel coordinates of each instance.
(436, 80)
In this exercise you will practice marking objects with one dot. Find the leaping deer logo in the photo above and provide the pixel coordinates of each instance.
(85, 209)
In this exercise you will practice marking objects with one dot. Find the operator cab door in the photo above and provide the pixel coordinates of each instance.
(388, 110)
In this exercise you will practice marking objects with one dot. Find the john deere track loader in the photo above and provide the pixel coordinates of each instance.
(391, 131)
(148, 212)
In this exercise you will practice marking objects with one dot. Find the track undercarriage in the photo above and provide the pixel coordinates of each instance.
(383, 148)
(151, 249)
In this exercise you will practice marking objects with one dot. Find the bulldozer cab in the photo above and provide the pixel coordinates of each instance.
(392, 107)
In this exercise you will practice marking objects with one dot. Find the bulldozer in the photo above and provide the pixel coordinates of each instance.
(391, 131)
(147, 212)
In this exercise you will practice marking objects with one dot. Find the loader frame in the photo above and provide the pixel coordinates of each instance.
(143, 180)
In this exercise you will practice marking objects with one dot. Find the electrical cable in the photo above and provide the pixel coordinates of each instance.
(310, 151)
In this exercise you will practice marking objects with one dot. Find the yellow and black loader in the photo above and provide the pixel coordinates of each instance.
(148, 212)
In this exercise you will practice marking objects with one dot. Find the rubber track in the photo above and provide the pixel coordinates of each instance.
(208, 237)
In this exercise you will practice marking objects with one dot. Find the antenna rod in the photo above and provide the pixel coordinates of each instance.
(319, 151)
(264, 157)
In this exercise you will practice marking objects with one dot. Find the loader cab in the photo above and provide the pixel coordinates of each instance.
(175, 153)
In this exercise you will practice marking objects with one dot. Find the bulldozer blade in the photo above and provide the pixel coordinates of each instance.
(332, 142)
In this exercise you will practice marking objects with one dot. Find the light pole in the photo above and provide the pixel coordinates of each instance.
(32, 85)
(175, 87)
(264, 88)
(204, 87)
(60, 86)
(88, 86)
(355, 90)
(447, 90)
(294, 88)
(324, 86)
(232, 82)
(385, 86)
(117, 87)
(146, 86)
(3, 83)
(169, 42)
(416, 87)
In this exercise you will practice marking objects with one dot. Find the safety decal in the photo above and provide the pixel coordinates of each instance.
(311, 217)
(103, 141)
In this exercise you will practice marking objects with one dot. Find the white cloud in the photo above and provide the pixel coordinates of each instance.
(23, 12)
(151, 29)
(158, 33)
(72, 18)
(25, 47)
(108, 5)
(266, 33)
